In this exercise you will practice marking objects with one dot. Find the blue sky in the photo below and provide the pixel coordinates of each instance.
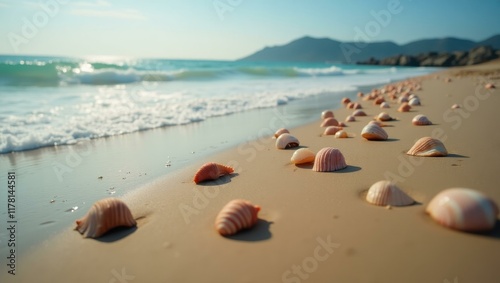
(227, 29)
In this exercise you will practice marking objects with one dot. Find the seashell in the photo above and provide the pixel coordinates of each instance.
(463, 209)
(405, 107)
(413, 96)
(379, 100)
(489, 86)
(281, 131)
(455, 106)
(345, 100)
(414, 101)
(403, 99)
(374, 132)
(383, 116)
(235, 216)
(303, 155)
(350, 118)
(331, 130)
(357, 106)
(421, 120)
(387, 193)
(329, 122)
(360, 94)
(212, 171)
(378, 123)
(326, 114)
(329, 159)
(350, 105)
(428, 147)
(384, 105)
(341, 134)
(103, 216)
(342, 124)
(358, 113)
(287, 141)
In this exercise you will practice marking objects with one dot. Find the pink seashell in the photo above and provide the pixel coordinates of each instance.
(421, 120)
(428, 147)
(386, 193)
(345, 100)
(357, 106)
(281, 131)
(384, 105)
(360, 94)
(329, 122)
(349, 105)
(378, 100)
(350, 118)
(374, 132)
(235, 216)
(342, 124)
(403, 99)
(463, 209)
(329, 159)
(212, 171)
(331, 130)
(326, 114)
(383, 116)
(358, 113)
(489, 86)
(286, 141)
(302, 156)
(455, 106)
(341, 134)
(103, 216)
(405, 107)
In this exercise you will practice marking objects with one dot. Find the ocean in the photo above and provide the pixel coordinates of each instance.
(76, 130)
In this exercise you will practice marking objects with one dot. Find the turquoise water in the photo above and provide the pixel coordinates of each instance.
(48, 101)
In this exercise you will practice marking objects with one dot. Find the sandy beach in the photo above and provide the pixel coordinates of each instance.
(313, 227)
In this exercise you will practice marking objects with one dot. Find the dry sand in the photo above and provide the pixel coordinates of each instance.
(313, 227)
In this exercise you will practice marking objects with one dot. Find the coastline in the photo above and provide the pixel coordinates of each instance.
(303, 210)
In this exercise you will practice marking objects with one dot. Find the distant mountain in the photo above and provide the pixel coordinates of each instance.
(310, 49)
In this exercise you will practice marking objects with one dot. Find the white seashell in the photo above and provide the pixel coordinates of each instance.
(103, 216)
(281, 131)
(286, 141)
(384, 105)
(455, 106)
(383, 116)
(421, 120)
(303, 155)
(428, 147)
(341, 134)
(414, 101)
(386, 193)
(329, 159)
(326, 114)
(463, 209)
(374, 132)
(235, 216)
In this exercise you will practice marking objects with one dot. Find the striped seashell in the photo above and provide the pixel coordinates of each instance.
(350, 118)
(455, 106)
(302, 156)
(327, 114)
(379, 100)
(331, 130)
(103, 216)
(329, 122)
(286, 141)
(374, 132)
(212, 171)
(235, 216)
(387, 193)
(428, 147)
(341, 134)
(329, 159)
(281, 131)
(414, 101)
(358, 113)
(405, 107)
(421, 120)
(345, 100)
(383, 116)
(489, 86)
(384, 105)
(463, 209)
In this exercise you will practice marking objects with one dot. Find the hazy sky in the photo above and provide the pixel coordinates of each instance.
(227, 29)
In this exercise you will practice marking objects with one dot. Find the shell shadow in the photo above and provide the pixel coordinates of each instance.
(260, 232)
(305, 165)
(295, 148)
(116, 234)
(349, 169)
(494, 234)
(453, 155)
(220, 181)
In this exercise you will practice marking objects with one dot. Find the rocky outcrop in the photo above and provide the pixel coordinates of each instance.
(474, 56)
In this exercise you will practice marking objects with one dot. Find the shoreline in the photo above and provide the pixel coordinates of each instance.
(303, 210)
